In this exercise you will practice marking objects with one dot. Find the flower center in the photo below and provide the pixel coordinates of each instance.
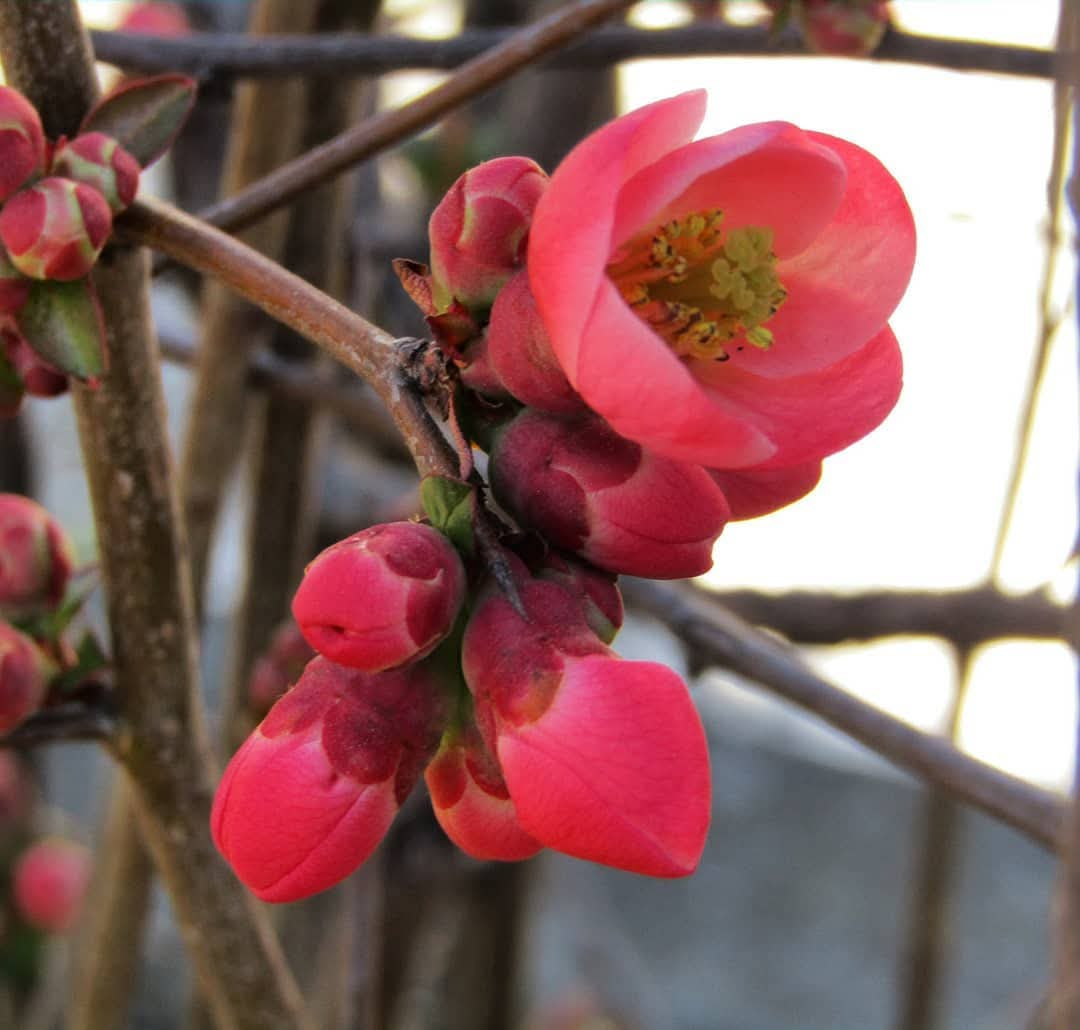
(700, 288)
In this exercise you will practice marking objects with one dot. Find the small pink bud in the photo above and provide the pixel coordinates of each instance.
(604, 759)
(39, 378)
(382, 597)
(156, 19)
(14, 286)
(25, 673)
(49, 884)
(590, 491)
(22, 141)
(479, 229)
(519, 352)
(471, 801)
(36, 558)
(844, 28)
(313, 790)
(55, 229)
(99, 161)
(601, 602)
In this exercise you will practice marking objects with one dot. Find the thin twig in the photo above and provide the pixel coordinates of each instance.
(723, 639)
(73, 721)
(227, 55)
(518, 51)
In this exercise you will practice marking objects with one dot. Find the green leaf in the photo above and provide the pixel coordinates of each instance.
(89, 658)
(451, 506)
(62, 323)
(144, 116)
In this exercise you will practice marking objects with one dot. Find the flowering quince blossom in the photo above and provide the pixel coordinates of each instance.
(724, 301)
(49, 883)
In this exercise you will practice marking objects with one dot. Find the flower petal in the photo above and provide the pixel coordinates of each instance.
(843, 288)
(754, 492)
(810, 416)
(616, 770)
(771, 174)
(574, 217)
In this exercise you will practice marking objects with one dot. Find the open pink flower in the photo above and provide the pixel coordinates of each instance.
(724, 301)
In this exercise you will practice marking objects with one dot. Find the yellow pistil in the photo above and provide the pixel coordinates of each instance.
(701, 289)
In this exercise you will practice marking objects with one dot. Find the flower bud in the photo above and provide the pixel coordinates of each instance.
(382, 597)
(25, 673)
(471, 802)
(604, 759)
(478, 230)
(22, 141)
(282, 664)
(156, 19)
(49, 884)
(36, 558)
(14, 286)
(55, 229)
(601, 602)
(100, 162)
(844, 28)
(39, 378)
(519, 352)
(313, 790)
(590, 491)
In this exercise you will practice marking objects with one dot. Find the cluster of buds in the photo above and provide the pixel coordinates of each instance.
(57, 204)
(614, 328)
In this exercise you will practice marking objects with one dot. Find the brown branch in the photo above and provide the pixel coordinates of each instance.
(721, 638)
(347, 337)
(72, 721)
(233, 54)
(162, 743)
(518, 51)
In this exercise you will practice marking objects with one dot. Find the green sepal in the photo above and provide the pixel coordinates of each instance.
(451, 506)
(144, 116)
(62, 322)
(89, 658)
(52, 625)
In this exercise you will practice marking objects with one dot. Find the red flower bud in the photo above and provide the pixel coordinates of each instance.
(39, 378)
(156, 19)
(55, 229)
(49, 884)
(382, 597)
(14, 286)
(99, 161)
(604, 759)
(312, 791)
(844, 28)
(36, 558)
(22, 141)
(601, 602)
(471, 801)
(479, 229)
(621, 507)
(24, 677)
(520, 354)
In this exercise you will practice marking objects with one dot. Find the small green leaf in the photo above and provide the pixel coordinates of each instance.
(451, 506)
(62, 323)
(144, 116)
(89, 658)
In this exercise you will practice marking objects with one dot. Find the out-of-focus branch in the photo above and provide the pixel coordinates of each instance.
(718, 637)
(516, 52)
(236, 55)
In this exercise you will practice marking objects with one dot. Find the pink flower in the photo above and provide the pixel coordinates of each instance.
(49, 883)
(313, 790)
(36, 558)
(725, 301)
(156, 19)
(55, 229)
(603, 759)
(479, 228)
(22, 141)
(606, 498)
(383, 596)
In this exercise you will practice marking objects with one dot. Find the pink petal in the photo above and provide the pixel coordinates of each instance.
(771, 174)
(616, 771)
(843, 288)
(810, 416)
(570, 238)
(631, 378)
(754, 492)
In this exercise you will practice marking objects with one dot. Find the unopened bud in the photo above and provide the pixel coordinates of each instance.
(844, 28)
(55, 229)
(49, 884)
(479, 230)
(22, 141)
(36, 558)
(25, 673)
(382, 597)
(99, 161)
